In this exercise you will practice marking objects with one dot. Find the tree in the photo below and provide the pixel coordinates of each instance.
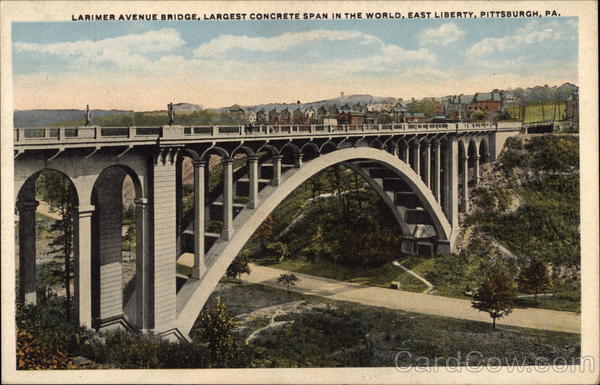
(534, 278)
(57, 191)
(238, 267)
(288, 280)
(217, 327)
(264, 232)
(495, 294)
(478, 115)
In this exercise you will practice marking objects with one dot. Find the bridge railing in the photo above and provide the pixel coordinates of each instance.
(42, 135)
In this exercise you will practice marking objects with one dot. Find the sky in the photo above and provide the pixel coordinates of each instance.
(145, 65)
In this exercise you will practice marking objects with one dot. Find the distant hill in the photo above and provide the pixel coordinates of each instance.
(41, 118)
(339, 101)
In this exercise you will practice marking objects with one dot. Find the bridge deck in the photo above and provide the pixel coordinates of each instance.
(67, 137)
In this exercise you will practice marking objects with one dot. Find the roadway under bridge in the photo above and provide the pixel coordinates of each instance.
(421, 171)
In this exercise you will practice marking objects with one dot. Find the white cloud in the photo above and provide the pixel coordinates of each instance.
(445, 34)
(532, 33)
(125, 50)
(371, 51)
(220, 46)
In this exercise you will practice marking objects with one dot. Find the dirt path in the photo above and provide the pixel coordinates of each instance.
(430, 287)
(415, 302)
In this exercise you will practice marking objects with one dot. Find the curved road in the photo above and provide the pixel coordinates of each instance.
(559, 321)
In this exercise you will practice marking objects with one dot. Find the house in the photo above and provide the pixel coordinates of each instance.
(251, 117)
(455, 106)
(261, 117)
(186, 107)
(236, 112)
(273, 116)
(398, 111)
(379, 107)
(332, 112)
(322, 112)
(309, 115)
(509, 99)
(297, 116)
(414, 117)
(351, 117)
(358, 107)
(285, 117)
(486, 101)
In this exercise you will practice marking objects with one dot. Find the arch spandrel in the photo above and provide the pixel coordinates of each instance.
(194, 294)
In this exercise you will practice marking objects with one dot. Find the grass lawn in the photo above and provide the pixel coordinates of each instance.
(381, 276)
(331, 333)
(534, 112)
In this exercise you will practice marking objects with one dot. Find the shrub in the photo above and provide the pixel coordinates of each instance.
(33, 354)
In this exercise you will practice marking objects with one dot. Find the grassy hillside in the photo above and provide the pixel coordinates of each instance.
(537, 112)
(526, 206)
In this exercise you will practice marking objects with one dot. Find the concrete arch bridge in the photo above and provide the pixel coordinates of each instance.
(421, 171)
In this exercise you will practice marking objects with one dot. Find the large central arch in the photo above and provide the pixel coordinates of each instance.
(193, 295)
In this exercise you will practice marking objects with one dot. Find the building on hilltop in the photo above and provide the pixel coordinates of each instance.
(186, 107)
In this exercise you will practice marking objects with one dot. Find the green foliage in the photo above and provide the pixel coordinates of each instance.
(238, 267)
(44, 338)
(214, 227)
(216, 328)
(478, 115)
(544, 173)
(287, 280)
(496, 294)
(554, 154)
(55, 189)
(32, 354)
(534, 278)
(159, 118)
(131, 351)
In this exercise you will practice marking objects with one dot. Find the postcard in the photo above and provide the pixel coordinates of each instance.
(300, 192)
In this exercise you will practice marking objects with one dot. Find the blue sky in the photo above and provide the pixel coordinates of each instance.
(145, 65)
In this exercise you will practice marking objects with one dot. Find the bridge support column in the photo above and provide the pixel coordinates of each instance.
(276, 170)
(427, 164)
(404, 154)
(142, 265)
(27, 268)
(199, 193)
(476, 176)
(436, 171)
(298, 160)
(464, 199)
(227, 199)
(416, 157)
(83, 264)
(451, 182)
(164, 234)
(253, 181)
(179, 205)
